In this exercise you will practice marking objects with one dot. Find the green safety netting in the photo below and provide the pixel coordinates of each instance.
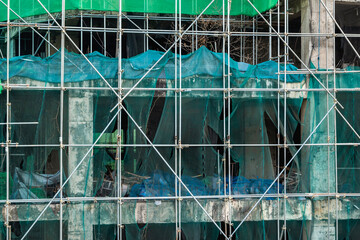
(202, 62)
(333, 168)
(34, 170)
(323, 159)
(254, 119)
(238, 7)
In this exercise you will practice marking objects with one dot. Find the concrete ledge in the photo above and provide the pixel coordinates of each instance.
(152, 211)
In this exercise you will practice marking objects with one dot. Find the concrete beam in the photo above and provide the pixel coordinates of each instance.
(128, 83)
(138, 212)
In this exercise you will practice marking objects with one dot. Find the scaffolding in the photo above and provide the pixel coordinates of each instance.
(202, 120)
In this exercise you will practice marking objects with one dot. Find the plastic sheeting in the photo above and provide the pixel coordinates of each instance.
(202, 62)
(25, 181)
(238, 7)
(159, 185)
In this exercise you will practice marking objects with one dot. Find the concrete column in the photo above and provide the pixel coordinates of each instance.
(321, 160)
(315, 19)
(81, 183)
(321, 55)
(322, 230)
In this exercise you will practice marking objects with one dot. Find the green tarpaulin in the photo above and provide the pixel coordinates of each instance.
(26, 8)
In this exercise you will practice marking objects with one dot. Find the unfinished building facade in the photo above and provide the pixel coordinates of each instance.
(179, 119)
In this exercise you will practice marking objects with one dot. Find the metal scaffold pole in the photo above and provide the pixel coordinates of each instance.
(120, 137)
(61, 138)
(8, 120)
